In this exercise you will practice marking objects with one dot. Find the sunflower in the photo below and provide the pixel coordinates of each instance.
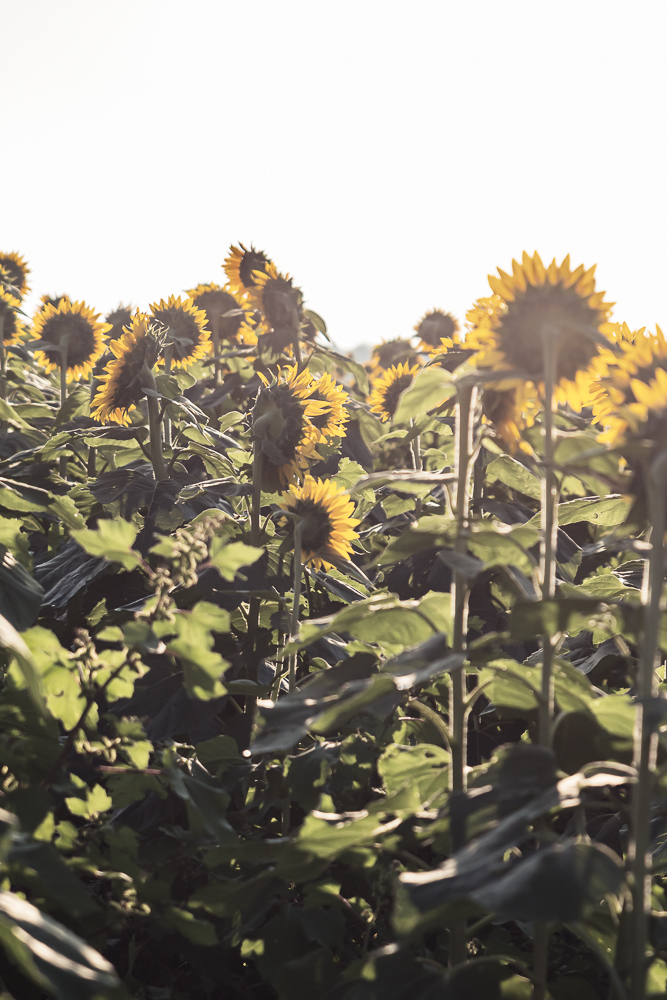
(16, 271)
(507, 327)
(10, 324)
(121, 385)
(437, 331)
(631, 383)
(185, 325)
(233, 314)
(282, 424)
(511, 406)
(327, 523)
(118, 319)
(390, 353)
(330, 423)
(388, 388)
(71, 326)
(280, 303)
(51, 300)
(240, 268)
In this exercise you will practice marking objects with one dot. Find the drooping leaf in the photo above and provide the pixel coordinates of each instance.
(112, 539)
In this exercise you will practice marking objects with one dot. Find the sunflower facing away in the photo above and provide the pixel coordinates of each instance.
(12, 328)
(51, 300)
(185, 326)
(390, 353)
(437, 331)
(327, 523)
(72, 325)
(506, 327)
(282, 423)
(233, 314)
(121, 384)
(240, 268)
(16, 271)
(280, 303)
(118, 319)
(387, 389)
(632, 383)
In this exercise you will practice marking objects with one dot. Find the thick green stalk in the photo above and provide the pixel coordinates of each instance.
(215, 340)
(549, 532)
(549, 524)
(154, 428)
(250, 649)
(646, 737)
(3, 359)
(465, 404)
(62, 461)
(166, 422)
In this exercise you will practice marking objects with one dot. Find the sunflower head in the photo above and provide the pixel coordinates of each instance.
(240, 268)
(232, 313)
(280, 304)
(51, 300)
(282, 424)
(330, 422)
(69, 329)
(537, 302)
(510, 407)
(390, 353)
(629, 390)
(437, 331)
(388, 388)
(185, 328)
(12, 328)
(16, 272)
(327, 525)
(118, 319)
(121, 384)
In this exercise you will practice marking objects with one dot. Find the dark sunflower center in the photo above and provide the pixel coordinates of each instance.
(281, 304)
(390, 401)
(217, 302)
(81, 343)
(15, 273)
(562, 308)
(119, 318)
(182, 331)
(394, 353)
(9, 325)
(252, 260)
(125, 389)
(435, 326)
(317, 527)
(320, 420)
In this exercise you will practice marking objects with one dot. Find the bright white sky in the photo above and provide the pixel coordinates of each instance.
(388, 154)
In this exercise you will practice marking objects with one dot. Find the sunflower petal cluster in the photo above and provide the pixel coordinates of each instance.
(327, 522)
(437, 332)
(507, 328)
(70, 325)
(282, 424)
(386, 389)
(15, 272)
(12, 328)
(121, 385)
(241, 267)
(280, 303)
(187, 337)
(390, 353)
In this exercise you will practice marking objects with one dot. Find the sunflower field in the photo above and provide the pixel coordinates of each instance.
(331, 680)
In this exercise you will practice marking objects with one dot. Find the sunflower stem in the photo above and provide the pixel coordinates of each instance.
(62, 461)
(215, 340)
(465, 404)
(549, 523)
(294, 624)
(154, 429)
(3, 359)
(251, 644)
(168, 358)
(646, 736)
(549, 517)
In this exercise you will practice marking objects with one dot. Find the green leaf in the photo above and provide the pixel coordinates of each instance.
(605, 511)
(96, 801)
(515, 475)
(17, 647)
(20, 594)
(531, 619)
(200, 932)
(52, 955)
(229, 557)
(430, 387)
(111, 539)
(496, 547)
(325, 360)
(20, 497)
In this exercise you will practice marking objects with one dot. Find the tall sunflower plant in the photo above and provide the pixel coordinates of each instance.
(322, 678)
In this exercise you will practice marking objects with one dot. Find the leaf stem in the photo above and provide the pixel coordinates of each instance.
(294, 624)
(646, 737)
(215, 340)
(62, 461)
(549, 516)
(154, 429)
